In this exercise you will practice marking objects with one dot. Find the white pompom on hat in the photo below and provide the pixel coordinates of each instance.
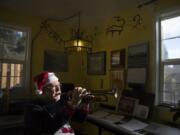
(43, 79)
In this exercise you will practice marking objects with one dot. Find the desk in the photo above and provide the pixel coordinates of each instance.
(119, 129)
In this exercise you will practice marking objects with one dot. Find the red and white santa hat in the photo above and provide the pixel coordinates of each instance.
(43, 79)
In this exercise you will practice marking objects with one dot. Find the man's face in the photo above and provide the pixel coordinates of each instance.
(52, 91)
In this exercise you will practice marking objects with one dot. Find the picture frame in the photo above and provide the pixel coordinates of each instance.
(118, 58)
(142, 111)
(55, 61)
(138, 55)
(96, 63)
(127, 105)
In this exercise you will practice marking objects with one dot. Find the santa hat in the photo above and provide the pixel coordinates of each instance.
(43, 79)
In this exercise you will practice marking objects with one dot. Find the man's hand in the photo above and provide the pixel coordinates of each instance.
(81, 95)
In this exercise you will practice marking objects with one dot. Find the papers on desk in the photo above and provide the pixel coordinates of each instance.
(113, 118)
(133, 125)
(159, 129)
(105, 119)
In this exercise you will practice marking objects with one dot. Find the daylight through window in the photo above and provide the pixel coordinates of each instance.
(168, 31)
(13, 57)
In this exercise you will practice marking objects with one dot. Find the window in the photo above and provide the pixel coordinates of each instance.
(14, 57)
(168, 46)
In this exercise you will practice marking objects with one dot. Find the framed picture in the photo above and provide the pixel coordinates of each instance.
(96, 63)
(138, 55)
(127, 105)
(55, 61)
(118, 58)
(142, 111)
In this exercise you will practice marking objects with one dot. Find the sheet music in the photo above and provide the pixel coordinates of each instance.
(100, 114)
(160, 129)
(113, 118)
(133, 125)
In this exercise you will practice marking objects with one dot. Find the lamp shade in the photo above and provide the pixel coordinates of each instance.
(78, 45)
(78, 42)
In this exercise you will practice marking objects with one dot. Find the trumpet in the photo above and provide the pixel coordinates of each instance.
(98, 95)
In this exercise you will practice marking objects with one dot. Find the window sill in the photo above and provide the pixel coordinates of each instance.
(172, 107)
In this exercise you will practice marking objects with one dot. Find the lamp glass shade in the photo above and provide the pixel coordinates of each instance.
(77, 45)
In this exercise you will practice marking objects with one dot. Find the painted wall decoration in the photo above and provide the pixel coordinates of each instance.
(117, 26)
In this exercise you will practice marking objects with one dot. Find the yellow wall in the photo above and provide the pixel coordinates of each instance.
(77, 63)
(131, 36)
(42, 43)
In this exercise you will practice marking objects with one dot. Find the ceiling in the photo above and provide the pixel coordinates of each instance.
(94, 11)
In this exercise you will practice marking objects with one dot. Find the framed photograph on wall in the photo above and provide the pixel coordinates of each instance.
(96, 63)
(118, 58)
(55, 61)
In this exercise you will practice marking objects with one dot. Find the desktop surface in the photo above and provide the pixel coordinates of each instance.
(120, 124)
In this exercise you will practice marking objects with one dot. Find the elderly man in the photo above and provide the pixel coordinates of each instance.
(51, 114)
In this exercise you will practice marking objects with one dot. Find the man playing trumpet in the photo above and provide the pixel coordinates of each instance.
(51, 114)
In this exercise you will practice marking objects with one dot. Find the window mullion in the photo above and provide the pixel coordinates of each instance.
(171, 38)
(8, 76)
(160, 67)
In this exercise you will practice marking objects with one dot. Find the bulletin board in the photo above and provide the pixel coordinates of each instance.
(138, 59)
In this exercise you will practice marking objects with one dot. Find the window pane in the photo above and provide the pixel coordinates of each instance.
(168, 97)
(12, 43)
(13, 52)
(171, 83)
(171, 49)
(11, 82)
(170, 27)
(12, 76)
(18, 81)
(10, 35)
(18, 69)
(15, 82)
(4, 69)
(4, 82)
(12, 69)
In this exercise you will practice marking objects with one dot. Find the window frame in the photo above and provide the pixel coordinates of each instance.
(25, 89)
(159, 61)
